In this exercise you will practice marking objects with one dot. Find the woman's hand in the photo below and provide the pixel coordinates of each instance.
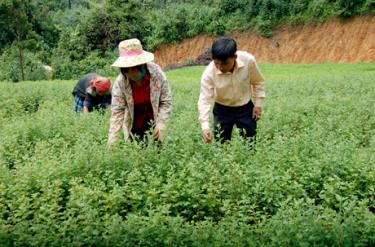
(157, 135)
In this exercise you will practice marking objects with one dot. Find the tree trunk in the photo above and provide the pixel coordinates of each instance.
(20, 55)
(21, 63)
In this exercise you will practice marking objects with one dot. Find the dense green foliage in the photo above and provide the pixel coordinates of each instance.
(76, 37)
(310, 182)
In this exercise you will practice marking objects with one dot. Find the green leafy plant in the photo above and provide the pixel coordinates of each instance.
(310, 181)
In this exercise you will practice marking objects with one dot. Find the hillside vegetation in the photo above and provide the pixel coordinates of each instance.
(76, 37)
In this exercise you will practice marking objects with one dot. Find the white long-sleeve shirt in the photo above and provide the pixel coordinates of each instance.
(231, 89)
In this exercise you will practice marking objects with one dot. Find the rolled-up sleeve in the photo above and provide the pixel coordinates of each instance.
(118, 110)
(165, 103)
(206, 99)
(257, 83)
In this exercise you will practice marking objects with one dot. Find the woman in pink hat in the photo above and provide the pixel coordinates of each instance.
(141, 96)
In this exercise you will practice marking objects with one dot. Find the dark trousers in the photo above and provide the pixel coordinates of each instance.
(225, 117)
(140, 133)
(143, 117)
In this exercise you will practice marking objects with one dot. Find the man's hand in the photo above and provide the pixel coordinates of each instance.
(206, 136)
(257, 113)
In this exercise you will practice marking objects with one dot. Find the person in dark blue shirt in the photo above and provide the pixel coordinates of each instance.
(92, 92)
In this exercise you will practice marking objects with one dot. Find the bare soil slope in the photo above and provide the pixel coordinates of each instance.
(336, 41)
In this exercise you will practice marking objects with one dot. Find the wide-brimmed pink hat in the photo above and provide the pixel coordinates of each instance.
(132, 54)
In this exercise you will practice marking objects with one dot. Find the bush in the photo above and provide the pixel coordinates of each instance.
(10, 68)
(169, 26)
(350, 8)
(64, 68)
(310, 182)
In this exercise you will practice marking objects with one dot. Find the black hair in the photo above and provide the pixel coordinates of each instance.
(223, 48)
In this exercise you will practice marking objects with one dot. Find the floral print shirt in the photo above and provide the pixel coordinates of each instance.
(122, 107)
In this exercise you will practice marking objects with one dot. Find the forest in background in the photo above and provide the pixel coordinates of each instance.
(77, 37)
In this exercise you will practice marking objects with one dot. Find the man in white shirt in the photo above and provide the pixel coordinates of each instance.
(232, 81)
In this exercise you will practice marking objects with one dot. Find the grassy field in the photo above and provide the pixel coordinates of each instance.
(310, 183)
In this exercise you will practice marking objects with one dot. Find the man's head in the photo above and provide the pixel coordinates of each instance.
(224, 54)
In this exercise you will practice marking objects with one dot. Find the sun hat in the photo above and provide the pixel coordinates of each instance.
(132, 54)
(101, 84)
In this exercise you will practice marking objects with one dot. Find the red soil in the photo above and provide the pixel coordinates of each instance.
(336, 41)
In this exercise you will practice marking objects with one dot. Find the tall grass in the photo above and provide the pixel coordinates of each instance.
(310, 182)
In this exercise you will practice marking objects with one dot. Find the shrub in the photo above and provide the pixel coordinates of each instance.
(64, 68)
(310, 182)
(10, 68)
